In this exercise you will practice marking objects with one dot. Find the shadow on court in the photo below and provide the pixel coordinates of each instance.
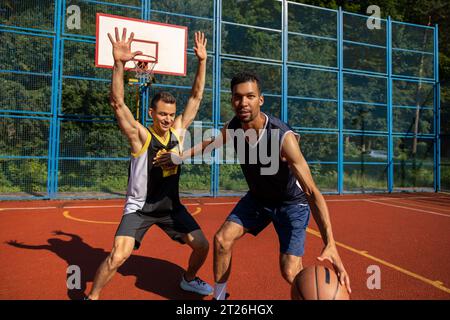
(153, 275)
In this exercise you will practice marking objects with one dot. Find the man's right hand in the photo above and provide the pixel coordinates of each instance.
(167, 159)
(122, 47)
(200, 46)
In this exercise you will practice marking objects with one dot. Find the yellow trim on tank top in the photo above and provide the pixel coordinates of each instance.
(175, 133)
(144, 147)
(159, 138)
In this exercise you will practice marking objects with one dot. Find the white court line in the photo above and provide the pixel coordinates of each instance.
(28, 208)
(409, 208)
(121, 206)
(214, 203)
(209, 204)
(92, 207)
(100, 207)
(72, 207)
(383, 198)
(416, 204)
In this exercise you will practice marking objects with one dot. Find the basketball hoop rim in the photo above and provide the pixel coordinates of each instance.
(145, 72)
(153, 58)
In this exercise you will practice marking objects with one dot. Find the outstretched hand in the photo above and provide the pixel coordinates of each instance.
(330, 253)
(200, 45)
(122, 47)
(14, 243)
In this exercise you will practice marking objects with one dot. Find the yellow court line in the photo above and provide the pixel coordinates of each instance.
(68, 216)
(197, 211)
(437, 284)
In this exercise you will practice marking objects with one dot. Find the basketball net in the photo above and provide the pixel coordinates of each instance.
(144, 75)
(144, 72)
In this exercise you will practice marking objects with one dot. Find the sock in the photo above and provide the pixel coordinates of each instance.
(220, 290)
(184, 278)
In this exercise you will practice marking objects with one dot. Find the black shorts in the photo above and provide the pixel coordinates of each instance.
(176, 224)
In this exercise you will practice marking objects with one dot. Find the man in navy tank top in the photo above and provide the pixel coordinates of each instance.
(281, 188)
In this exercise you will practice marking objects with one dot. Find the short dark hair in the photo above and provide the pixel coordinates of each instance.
(165, 96)
(245, 76)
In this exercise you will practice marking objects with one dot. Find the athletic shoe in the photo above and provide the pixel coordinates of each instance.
(197, 285)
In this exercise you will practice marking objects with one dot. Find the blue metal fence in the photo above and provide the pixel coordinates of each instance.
(366, 102)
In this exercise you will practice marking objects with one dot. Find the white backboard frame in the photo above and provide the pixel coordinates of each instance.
(167, 43)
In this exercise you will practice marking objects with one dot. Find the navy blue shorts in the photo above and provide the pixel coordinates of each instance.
(290, 222)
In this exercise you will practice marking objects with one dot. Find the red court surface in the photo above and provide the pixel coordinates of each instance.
(406, 235)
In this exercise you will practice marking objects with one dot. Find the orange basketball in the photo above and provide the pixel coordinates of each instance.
(318, 283)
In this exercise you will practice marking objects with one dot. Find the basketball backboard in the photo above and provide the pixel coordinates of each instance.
(164, 44)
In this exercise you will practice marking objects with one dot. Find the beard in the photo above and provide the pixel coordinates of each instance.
(248, 117)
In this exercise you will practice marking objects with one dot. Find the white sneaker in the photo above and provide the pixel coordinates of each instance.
(197, 285)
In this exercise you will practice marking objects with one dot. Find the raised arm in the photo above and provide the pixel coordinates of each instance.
(184, 120)
(207, 146)
(291, 151)
(21, 245)
(132, 129)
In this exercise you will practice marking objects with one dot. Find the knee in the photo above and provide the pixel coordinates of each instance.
(117, 258)
(289, 273)
(221, 243)
(201, 245)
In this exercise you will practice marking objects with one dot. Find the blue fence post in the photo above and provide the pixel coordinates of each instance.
(340, 102)
(217, 95)
(52, 170)
(284, 50)
(390, 171)
(60, 87)
(437, 114)
(59, 84)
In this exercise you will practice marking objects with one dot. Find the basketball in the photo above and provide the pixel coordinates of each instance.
(318, 283)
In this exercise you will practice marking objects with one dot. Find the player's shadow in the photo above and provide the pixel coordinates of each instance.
(153, 275)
